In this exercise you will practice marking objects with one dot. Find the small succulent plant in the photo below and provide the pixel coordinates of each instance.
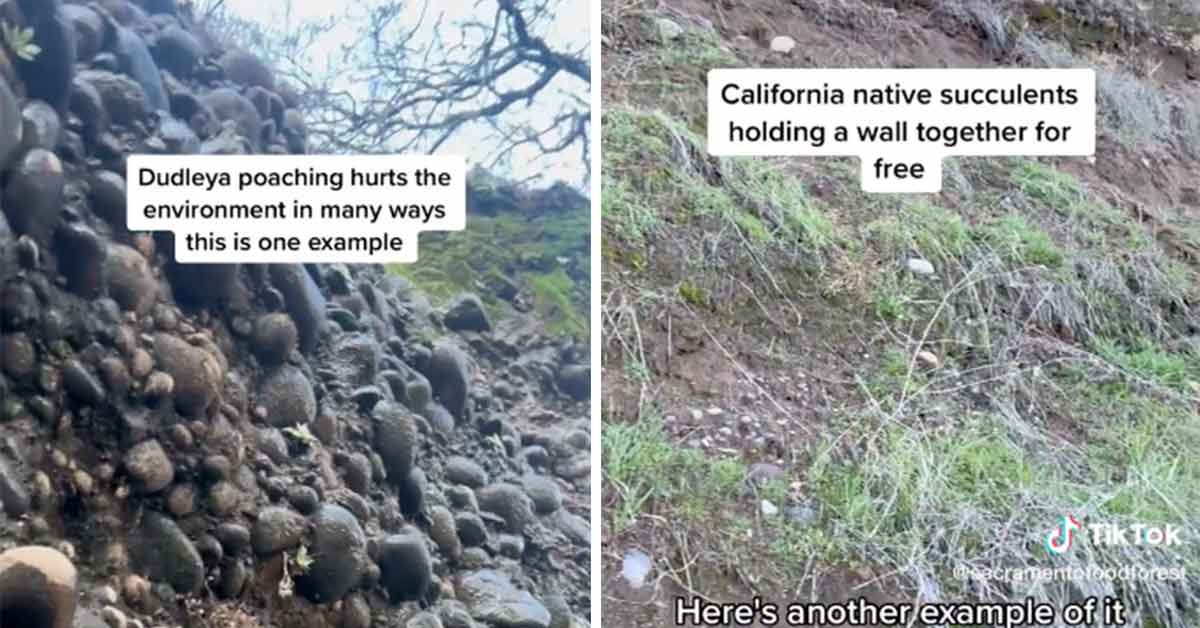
(302, 434)
(20, 41)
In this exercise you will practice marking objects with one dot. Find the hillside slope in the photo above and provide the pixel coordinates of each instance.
(794, 408)
(219, 446)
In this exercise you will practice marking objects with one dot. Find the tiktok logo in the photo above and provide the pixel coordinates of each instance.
(1059, 540)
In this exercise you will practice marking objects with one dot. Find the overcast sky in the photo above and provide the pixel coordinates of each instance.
(570, 30)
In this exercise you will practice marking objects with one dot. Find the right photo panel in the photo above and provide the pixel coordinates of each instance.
(900, 313)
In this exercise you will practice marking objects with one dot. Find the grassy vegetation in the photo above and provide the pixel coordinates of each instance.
(651, 472)
(546, 257)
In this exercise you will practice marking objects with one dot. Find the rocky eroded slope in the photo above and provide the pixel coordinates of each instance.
(230, 445)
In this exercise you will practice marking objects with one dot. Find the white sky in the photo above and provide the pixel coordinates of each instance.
(570, 30)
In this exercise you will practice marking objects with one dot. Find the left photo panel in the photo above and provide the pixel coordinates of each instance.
(295, 314)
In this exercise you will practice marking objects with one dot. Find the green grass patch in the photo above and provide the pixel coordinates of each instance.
(1147, 360)
(931, 231)
(1021, 243)
(758, 183)
(555, 301)
(1049, 186)
(650, 472)
(548, 257)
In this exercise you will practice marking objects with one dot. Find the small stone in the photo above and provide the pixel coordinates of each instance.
(356, 613)
(277, 529)
(136, 590)
(288, 397)
(33, 198)
(443, 531)
(668, 29)
(405, 567)
(115, 376)
(234, 538)
(768, 509)
(508, 501)
(462, 470)
(243, 67)
(365, 397)
(18, 356)
(303, 498)
(543, 492)
(511, 545)
(450, 377)
(141, 363)
(918, 266)
(466, 313)
(424, 619)
(462, 497)
(339, 551)
(223, 499)
(165, 553)
(149, 466)
(471, 529)
(275, 337)
(37, 582)
(802, 515)
(181, 500)
(635, 567)
(113, 617)
(493, 599)
(928, 358)
(159, 385)
(197, 373)
(123, 97)
(783, 44)
(395, 439)
(575, 380)
(107, 595)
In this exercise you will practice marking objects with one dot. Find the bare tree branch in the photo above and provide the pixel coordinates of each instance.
(418, 78)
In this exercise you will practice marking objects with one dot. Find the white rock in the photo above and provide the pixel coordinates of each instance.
(106, 595)
(928, 358)
(918, 266)
(113, 617)
(635, 567)
(668, 29)
(605, 41)
(783, 44)
(768, 509)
